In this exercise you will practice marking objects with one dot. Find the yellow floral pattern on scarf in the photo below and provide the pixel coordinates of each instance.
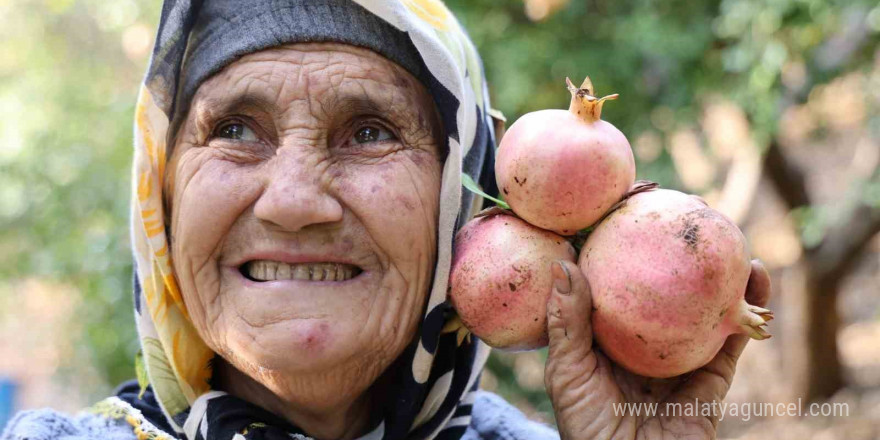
(176, 358)
(433, 12)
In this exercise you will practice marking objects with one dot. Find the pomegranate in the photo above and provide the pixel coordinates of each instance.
(500, 279)
(562, 170)
(668, 277)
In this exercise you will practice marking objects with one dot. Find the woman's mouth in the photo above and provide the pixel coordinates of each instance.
(267, 270)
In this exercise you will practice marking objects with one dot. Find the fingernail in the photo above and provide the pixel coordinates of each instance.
(561, 278)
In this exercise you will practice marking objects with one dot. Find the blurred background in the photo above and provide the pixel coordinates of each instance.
(769, 109)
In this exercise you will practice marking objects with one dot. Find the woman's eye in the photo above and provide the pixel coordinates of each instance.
(237, 131)
(370, 133)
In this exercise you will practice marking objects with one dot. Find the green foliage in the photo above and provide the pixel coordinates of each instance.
(811, 222)
(667, 59)
(67, 93)
(472, 186)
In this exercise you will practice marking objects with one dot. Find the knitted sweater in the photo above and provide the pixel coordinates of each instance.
(492, 419)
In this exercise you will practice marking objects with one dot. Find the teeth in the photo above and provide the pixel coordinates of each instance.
(330, 272)
(301, 272)
(265, 270)
(283, 272)
(271, 270)
(258, 271)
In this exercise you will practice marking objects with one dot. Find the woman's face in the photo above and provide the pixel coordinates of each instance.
(304, 191)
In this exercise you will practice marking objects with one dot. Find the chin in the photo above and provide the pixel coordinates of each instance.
(300, 346)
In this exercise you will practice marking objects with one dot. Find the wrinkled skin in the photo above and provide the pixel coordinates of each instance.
(583, 384)
(298, 180)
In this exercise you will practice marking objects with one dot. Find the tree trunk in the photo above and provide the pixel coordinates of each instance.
(827, 264)
(824, 372)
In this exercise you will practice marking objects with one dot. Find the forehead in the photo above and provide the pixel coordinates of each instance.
(310, 71)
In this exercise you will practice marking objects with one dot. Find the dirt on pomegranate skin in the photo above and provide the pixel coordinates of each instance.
(668, 275)
(500, 280)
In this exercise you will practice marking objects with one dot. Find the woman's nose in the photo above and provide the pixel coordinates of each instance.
(296, 198)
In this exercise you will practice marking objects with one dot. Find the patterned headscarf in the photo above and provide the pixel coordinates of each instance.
(433, 396)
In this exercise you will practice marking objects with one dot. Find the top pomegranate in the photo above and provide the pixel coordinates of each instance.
(562, 170)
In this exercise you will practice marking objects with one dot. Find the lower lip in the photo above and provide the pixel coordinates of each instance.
(279, 283)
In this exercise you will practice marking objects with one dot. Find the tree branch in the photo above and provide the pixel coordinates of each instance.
(787, 177)
(844, 243)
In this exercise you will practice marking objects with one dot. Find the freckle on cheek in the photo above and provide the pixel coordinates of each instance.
(382, 170)
(406, 202)
(422, 161)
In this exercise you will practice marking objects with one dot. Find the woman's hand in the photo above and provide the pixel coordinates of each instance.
(589, 391)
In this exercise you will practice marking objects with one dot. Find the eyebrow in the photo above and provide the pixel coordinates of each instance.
(226, 104)
(398, 105)
(342, 101)
(360, 103)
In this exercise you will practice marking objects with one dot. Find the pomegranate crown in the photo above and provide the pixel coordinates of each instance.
(584, 104)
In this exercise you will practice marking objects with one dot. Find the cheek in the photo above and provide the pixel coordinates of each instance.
(210, 195)
(397, 202)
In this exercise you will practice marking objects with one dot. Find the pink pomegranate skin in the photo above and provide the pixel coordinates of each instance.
(668, 277)
(500, 280)
(561, 173)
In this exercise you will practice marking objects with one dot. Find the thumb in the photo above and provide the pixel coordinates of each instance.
(568, 314)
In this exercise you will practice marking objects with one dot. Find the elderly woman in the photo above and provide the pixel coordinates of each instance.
(297, 184)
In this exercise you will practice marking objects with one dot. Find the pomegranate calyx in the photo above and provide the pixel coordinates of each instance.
(495, 210)
(753, 320)
(580, 237)
(584, 104)
(639, 186)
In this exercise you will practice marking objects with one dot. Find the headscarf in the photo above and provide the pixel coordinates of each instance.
(433, 392)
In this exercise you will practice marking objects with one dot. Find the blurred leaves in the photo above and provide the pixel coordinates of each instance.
(812, 222)
(872, 194)
(667, 59)
(67, 89)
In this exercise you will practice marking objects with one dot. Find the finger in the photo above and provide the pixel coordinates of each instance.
(711, 383)
(759, 289)
(568, 314)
